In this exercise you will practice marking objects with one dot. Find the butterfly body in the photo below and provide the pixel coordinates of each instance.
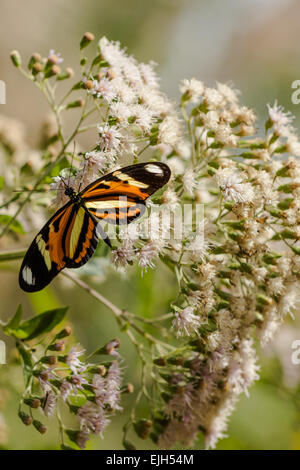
(71, 235)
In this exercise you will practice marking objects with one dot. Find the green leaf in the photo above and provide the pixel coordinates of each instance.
(14, 322)
(40, 324)
(15, 226)
(27, 360)
(285, 204)
(1, 182)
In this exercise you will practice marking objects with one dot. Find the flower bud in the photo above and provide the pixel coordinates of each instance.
(40, 427)
(67, 331)
(68, 73)
(27, 420)
(160, 361)
(87, 38)
(36, 57)
(49, 360)
(129, 388)
(59, 346)
(32, 402)
(76, 104)
(109, 348)
(52, 71)
(37, 68)
(88, 84)
(142, 428)
(16, 58)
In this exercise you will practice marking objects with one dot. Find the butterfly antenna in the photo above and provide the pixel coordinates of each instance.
(83, 172)
(66, 185)
(71, 171)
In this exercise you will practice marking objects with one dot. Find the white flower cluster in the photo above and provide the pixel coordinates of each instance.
(242, 274)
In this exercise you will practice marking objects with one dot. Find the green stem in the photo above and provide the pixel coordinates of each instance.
(13, 255)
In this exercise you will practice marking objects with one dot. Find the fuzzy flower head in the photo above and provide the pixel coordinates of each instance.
(110, 138)
(73, 359)
(281, 120)
(186, 322)
(92, 418)
(233, 186)
(191, 89)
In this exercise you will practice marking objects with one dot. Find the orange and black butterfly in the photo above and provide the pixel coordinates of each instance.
(71, 236)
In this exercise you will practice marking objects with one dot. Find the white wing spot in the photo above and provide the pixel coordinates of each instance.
(27, 276)
(154, 169)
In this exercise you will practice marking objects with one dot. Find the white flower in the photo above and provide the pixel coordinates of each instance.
(113, 384)
(230, 95)
(81, 438)
(155, 100)
(185, 322)
(170, 198)
(198, 247)
(49, 403)
(293, 145)
(142, 116)
(103, 89)
(77, 382)
(275, 286)
(169, 131)
(65, 389)
(245, 115)
(290, 299)
(148, 253)
(211, 119)
(234, 187)
(281, 120)
(213, 98)
(123, 254)
(224, 135)
(193, 89)
(124, 91)
(112, 52)
(95, 161)
(121, 112)
(73, 360)
(110, 138)
(148, 75)
(92, 418)
(189, 182)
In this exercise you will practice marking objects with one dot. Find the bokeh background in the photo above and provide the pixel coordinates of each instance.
(253, 44)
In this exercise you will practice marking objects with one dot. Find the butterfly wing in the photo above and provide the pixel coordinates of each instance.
(68, 239)
(119, 197)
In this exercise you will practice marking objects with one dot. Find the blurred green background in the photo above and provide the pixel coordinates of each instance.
(255, 45)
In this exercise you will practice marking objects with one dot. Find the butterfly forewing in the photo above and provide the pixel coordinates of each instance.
(70, 237)
(119, 197)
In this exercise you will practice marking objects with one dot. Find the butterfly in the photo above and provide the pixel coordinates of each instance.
(71, 235)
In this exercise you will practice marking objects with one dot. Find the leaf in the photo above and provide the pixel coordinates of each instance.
(40, 324)
(27, 360)
(1, 182)
(15, 225)
(14, 322)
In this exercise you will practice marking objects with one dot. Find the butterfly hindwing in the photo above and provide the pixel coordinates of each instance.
(81, 238)
(45, 257)
(67, 240)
